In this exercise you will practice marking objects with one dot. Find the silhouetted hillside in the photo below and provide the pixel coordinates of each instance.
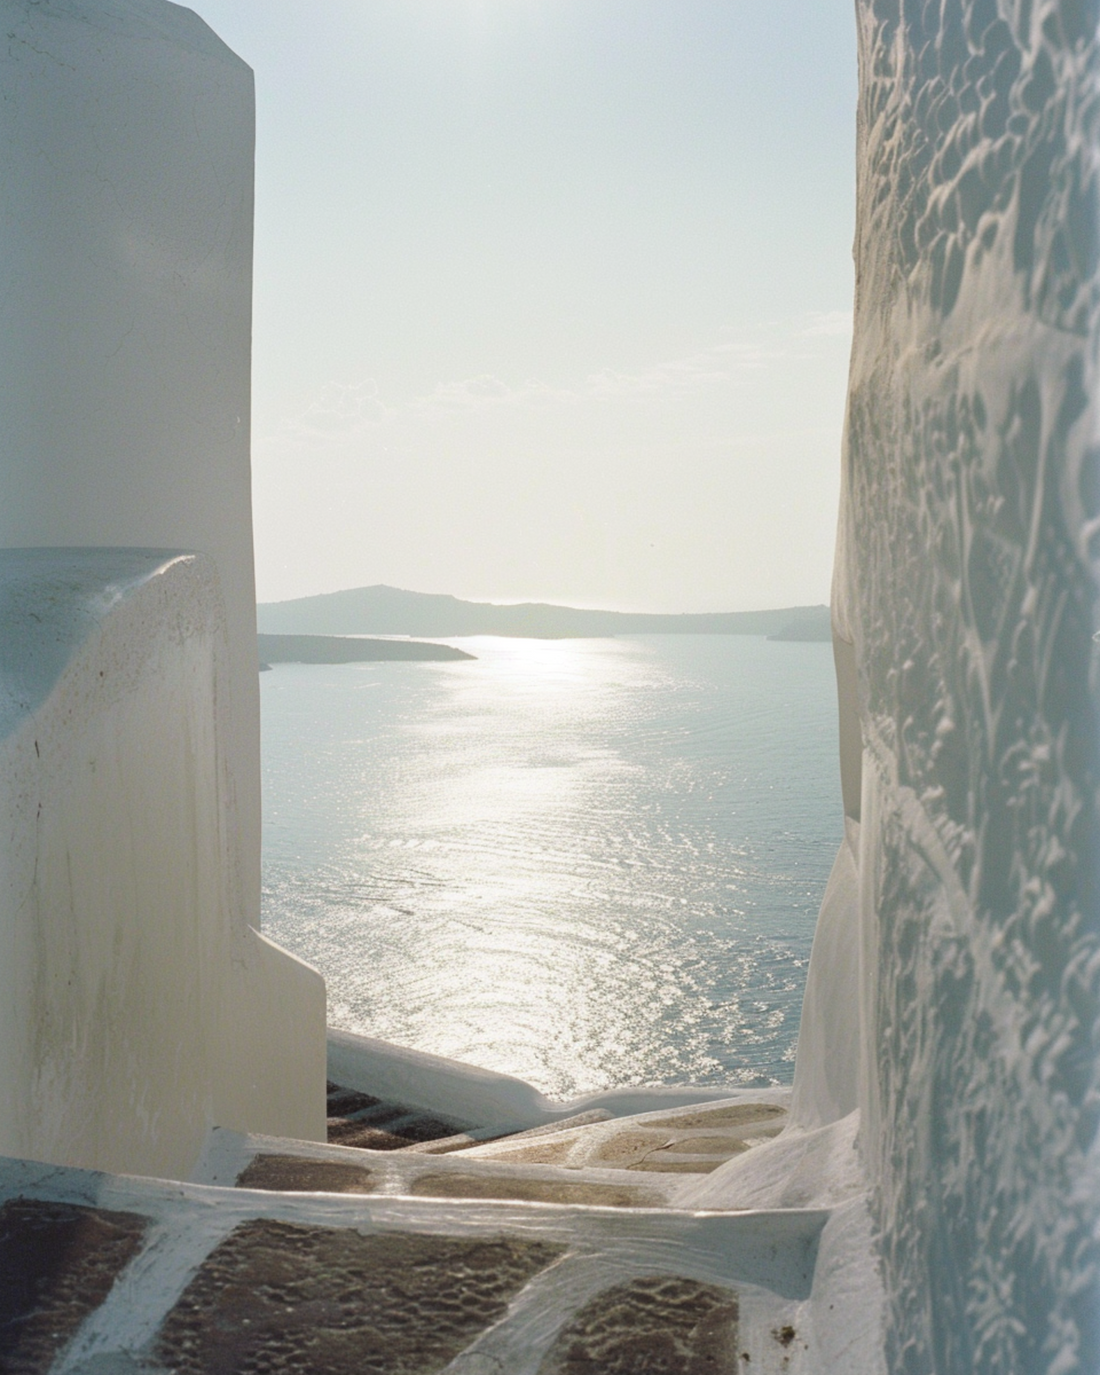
(385, 610)
(334, 649)
(806, 628)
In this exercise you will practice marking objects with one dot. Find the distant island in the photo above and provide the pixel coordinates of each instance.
(383, 610)
(335, 649)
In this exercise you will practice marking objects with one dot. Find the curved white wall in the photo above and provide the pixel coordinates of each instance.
(138, 1002)
(135, 1009)
(126, 152)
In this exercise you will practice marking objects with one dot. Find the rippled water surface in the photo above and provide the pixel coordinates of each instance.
(585, 862)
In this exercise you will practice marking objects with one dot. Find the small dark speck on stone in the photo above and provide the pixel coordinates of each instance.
(784, 1335)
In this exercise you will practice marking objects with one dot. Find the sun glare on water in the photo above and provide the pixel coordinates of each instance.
(571, 860)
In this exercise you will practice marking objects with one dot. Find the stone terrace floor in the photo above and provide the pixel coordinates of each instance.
(407, 1246)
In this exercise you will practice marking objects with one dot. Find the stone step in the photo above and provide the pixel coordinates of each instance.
(578, 1161)
(231, 1159)
(695, 1138)
(359, 1119)
(102, 1274)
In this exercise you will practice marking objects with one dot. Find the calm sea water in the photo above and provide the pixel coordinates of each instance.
(588, 863)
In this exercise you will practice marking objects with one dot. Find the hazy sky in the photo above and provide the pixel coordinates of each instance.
(552, 297)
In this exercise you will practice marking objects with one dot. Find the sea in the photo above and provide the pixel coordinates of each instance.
(589, 863)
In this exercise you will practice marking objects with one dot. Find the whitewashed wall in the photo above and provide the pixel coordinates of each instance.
(135, 1011)
(138, 1001)
(967, 584)
(126, 153)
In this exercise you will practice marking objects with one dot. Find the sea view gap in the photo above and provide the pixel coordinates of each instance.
(586, 862)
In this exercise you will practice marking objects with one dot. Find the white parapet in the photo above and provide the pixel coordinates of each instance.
(138, 1002)
(135, 1009)
(126, 157)
(486, 1099)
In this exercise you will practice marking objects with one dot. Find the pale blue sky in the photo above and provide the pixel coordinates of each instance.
(552, 296)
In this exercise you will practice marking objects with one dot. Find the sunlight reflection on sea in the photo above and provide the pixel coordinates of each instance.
(585, 862)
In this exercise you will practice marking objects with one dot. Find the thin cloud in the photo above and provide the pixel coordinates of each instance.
(342, 410)
(831, 323)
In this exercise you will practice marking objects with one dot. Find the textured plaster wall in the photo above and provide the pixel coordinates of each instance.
(967, 584)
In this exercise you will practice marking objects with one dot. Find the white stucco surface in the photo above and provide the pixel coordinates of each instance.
(138, 1002)
(126, 155)
(961, 930)
(826, 1078)
(135, 1008)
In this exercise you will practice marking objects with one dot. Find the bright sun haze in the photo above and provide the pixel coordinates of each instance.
(552, 297)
